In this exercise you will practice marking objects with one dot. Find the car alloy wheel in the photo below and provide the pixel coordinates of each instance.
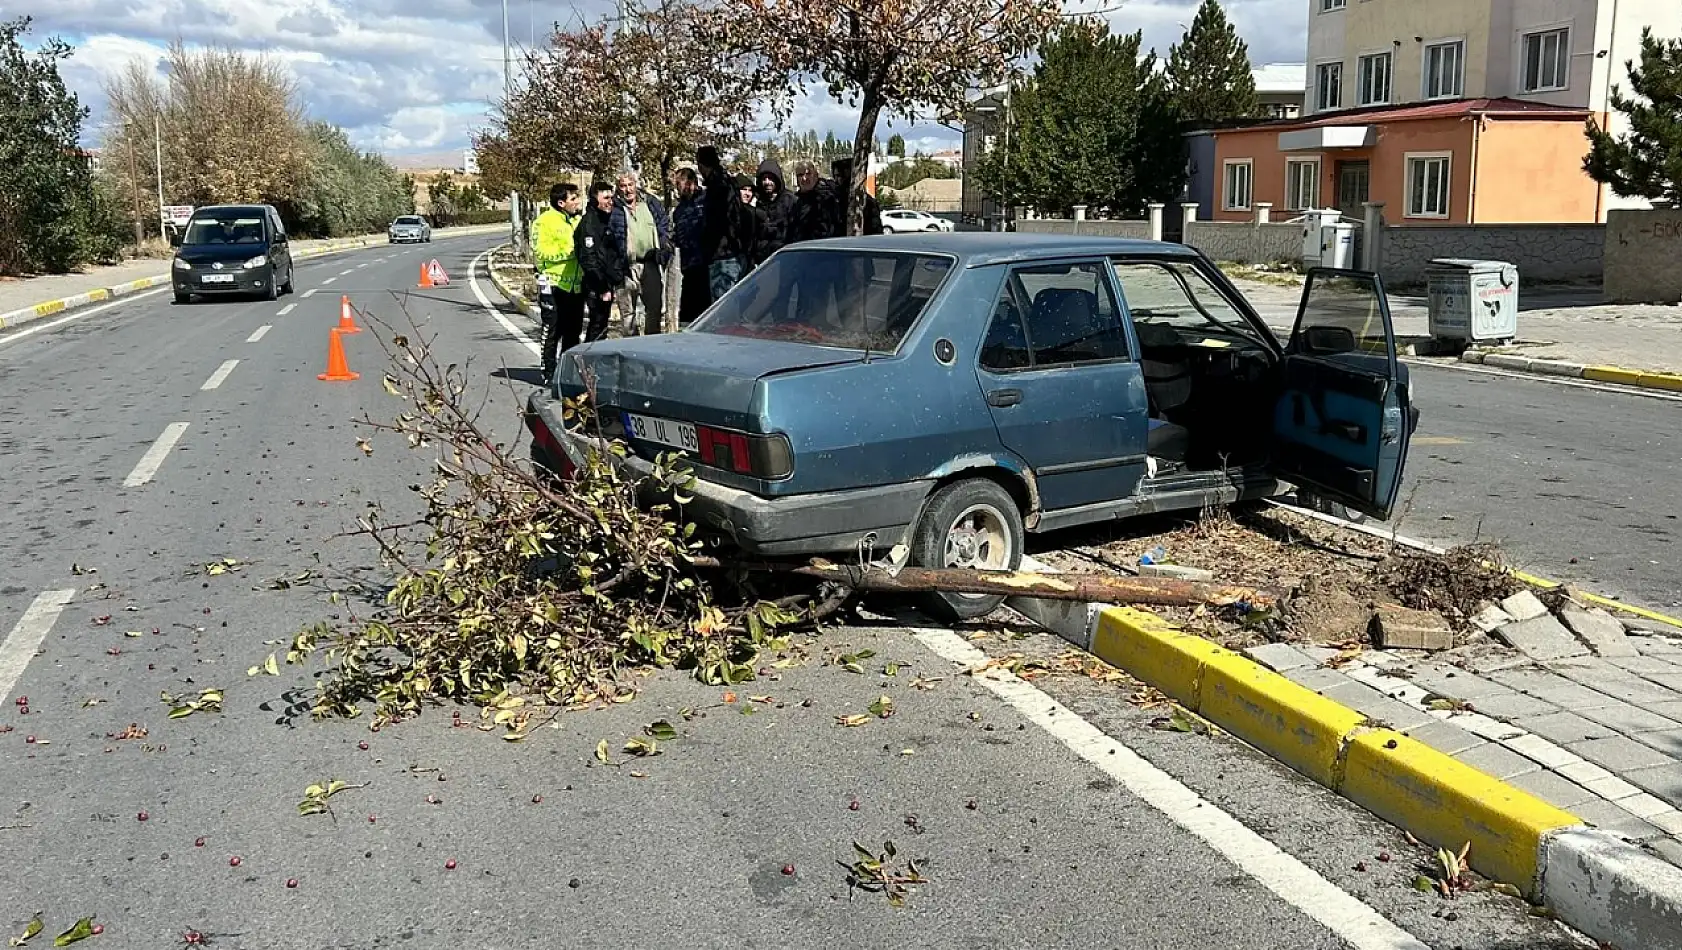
(974, 524)
(979, 540)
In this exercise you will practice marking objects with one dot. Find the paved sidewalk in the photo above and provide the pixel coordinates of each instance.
(18, 293)
(1567, 324)
(1567, 704)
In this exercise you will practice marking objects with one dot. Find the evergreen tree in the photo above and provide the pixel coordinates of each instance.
(1209, 70)
(1093, 125)
(1647, 161)
(896, 146)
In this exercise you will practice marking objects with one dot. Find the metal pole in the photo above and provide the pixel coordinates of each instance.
(158, 144)
(507, 104)
(625, 18)
(134, 184)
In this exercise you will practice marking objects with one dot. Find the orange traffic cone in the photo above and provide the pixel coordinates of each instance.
(426, 276)
(337, 369)
(347, 323)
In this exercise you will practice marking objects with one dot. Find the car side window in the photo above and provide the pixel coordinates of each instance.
(1071, 316)
(1006, 345)
(1177, 295)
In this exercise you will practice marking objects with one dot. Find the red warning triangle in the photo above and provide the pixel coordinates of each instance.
(435, 271)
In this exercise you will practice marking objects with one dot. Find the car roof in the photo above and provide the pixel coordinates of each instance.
(984, 248)
(235, 209)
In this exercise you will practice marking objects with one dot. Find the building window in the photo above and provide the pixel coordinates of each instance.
(1236, 194)
(1445, 70)
(1546, 56)
(1427, 186)
(1327, 6)
(1328, 87)
(1302, 184)
(1375, 79)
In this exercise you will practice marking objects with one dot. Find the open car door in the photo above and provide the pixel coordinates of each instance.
(1344, 416)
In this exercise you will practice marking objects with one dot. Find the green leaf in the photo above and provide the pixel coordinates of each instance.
(1424, 883)
(270, 666)
(82, 930)
(1506, 889)
(601, 751)
(182, 712)
(662, 730)
(883, 707)
(31, 931)
(640, 746)
(892, 669)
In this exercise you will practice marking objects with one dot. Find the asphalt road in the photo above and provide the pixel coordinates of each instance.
(127, 471)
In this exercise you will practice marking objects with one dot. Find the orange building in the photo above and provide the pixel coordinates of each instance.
(1469, 161)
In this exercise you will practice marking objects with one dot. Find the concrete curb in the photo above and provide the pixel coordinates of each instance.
(1668, 382)
(17, 318)
(1594, 881)
(519, 301)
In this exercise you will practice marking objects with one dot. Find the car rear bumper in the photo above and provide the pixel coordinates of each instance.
(877, 517)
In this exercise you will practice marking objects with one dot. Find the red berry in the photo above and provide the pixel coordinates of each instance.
(853, 805)
(30, 740)
(370, 819)
(537, 799)
(198, 842)
(142, 816)
(98, 929)
(788, 870)
(450, 865)
(291, 882)
(22, 700)
(1384, 856)
(23, 710)
(233, 862)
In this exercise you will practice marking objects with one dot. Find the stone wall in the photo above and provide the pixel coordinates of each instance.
(1246, 242)
(1543, 253)
(1643, 250)
(1140, 230)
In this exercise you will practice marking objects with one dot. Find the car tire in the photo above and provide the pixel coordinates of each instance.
(972, 523)
(1326, 506)
(286, 288)
(183, 298)
(272, 292)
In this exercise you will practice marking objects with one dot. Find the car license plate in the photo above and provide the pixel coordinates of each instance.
(678, 435)
(217, 278)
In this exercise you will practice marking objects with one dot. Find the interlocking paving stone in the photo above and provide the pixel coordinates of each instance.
(1554, 789)
(1450, 740)
(1544, 684)
(1620, 754)
(1279, 656)
(1668, 741)
(1609, 817)
(1542, 638)
(1628, 719)
(1498, 761)
(1565, 728)
(1456, 683)
(1664, 782)
(1516, 706)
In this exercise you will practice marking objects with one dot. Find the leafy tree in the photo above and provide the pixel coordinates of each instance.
(904, 56)
(443, 198)
(1093, 125)
(51, 219)
(905, 174)
(1209, 70)
(348, 192)
(896, 145)
(1646, 162)
(886, 199)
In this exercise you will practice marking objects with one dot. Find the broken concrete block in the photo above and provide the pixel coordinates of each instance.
(1602, 631)
(1400, 628)
(1524, 606)
(1541, 638)
(1491, 617)
(1176, 570)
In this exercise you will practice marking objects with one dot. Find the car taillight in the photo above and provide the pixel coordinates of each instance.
(544, 439)
(761, 456)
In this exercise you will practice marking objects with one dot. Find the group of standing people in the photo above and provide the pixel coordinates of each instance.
(614, 245)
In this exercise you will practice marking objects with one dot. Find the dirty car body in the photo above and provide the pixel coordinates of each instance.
(950, 392)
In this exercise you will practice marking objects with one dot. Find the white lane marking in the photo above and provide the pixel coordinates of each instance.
(20, 645)
(15, 335)
(502, 318)
(311, 292)
(359, 266)
(216, 379)
(286, 310)
(154, 457)
(329, 280)
(1295, 883)
(346, 271)
(1481, 370)
(257, 334)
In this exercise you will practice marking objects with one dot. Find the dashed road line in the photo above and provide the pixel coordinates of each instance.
(347, 270)
(217, 378)
(328, 281)
(257, 334)
(311, 292)
(154, 457)
(286, 310)
(20, 645)
(1289, 879)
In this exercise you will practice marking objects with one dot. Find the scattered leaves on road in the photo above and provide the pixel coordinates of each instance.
(316, 796)
(30, 932)
(853, 720)
(1182, 720)
(1452, 872)
(227, 565)
(270, 667)
(883, 707)
(881, 873)
(81, 930)
(209, 700)
(854, 662)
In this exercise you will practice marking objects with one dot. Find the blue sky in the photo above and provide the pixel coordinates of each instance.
(414, 79)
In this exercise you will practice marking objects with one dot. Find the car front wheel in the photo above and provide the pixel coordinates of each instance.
(969, 524)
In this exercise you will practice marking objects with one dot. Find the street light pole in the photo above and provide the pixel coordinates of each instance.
(158, 144)
(507, 103)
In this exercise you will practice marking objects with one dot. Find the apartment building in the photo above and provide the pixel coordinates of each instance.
(1449, 111)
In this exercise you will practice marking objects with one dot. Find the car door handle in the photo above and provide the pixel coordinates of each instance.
(1001, 398)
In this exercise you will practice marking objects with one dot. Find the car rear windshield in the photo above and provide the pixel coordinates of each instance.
(857, 300)
(226, 229)
(410, 221)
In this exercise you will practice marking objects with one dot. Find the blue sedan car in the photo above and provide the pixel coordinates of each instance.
(952, 392)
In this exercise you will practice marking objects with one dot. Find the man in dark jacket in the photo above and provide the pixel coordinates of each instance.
(842, 168)
(643, 233)
(604, 265)
(812, 217)
(688, 219)
(726, 230)
(753, 217)
(777, 204)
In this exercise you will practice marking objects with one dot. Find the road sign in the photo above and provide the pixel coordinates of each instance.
(178, 215)
(435, 271)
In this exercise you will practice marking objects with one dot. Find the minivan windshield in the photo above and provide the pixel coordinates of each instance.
(225, 229)
(859, 300)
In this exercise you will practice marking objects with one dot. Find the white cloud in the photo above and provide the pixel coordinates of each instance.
(405, 76)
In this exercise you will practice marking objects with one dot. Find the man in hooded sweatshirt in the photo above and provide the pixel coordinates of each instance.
(778, 206)
(601, 259)
(727, 224)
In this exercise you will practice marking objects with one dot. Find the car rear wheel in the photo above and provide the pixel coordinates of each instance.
(969, 524)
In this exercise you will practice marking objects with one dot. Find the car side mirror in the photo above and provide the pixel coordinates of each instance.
(174, 238)
(1325, 341)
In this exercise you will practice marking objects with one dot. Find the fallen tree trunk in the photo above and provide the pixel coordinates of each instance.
(1097, 588)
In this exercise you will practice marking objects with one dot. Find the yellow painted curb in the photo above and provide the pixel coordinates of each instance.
(1288, 721)
(1447, 803)
(1665, 381)
(1440, 800)
(1612, 374)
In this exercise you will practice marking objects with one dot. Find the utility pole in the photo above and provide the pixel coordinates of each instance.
(134, 183)
(629, 157)
(514, 228)
(158, 144)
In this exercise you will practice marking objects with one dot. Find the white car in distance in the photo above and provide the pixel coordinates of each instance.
(905, 221)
